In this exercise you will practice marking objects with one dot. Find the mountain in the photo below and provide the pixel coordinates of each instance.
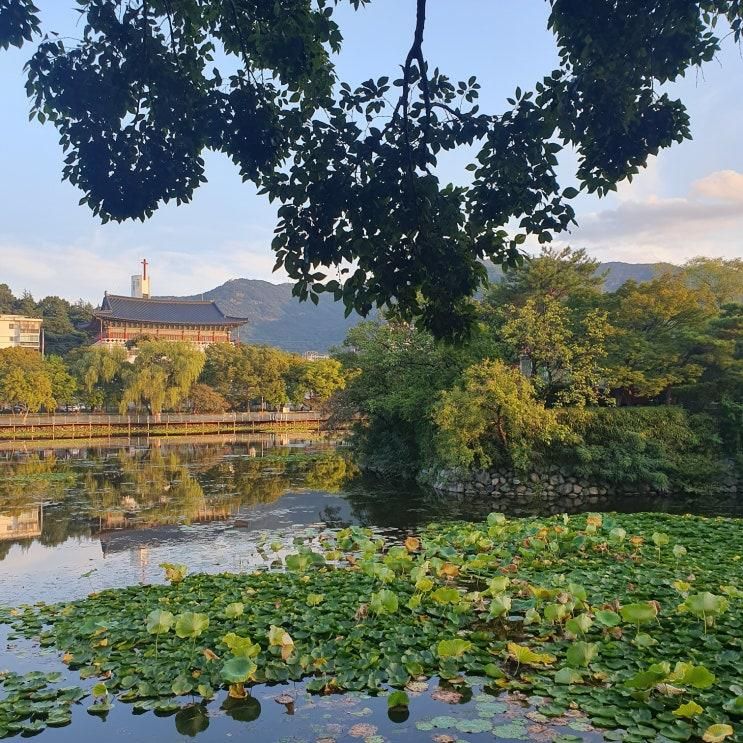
(278, 319)
(620, 273)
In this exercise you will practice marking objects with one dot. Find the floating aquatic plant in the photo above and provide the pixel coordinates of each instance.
(581, 612)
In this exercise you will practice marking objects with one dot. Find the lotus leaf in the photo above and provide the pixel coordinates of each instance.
(555, 612)
(717, 733)
(234, 610)
(522, 654)
(660, 539)
(384, 602)
(454, 648)
(190, 624)
(424, 585)
(238, 670)
(279, 637)
(579, 625)
(242, 647)
(159, 622)
(679, 551)
(735, 706)
(608, 618)
(182, 684)
(648, 679)
(617, 535)
(690, 710)
(500, 605)
(691, 675)
(446, 595)
(174, 572)
(568, 675)
(397, 699)
(580, 654)
(639, 613)
(498, 584)
(705, 605)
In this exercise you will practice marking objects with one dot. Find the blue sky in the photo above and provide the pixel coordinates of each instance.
(688, 202)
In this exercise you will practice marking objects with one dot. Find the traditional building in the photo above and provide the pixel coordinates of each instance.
(21, 331)
(123, 319)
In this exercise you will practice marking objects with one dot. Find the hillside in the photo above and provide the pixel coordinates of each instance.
(278, 319)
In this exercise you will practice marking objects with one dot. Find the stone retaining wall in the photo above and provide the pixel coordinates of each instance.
(553, 488)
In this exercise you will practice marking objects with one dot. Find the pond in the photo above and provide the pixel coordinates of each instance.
(78, 520)
(75, 521)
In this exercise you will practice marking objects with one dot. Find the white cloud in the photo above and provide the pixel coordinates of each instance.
(708, 220)
(724, 185)
(88, 268)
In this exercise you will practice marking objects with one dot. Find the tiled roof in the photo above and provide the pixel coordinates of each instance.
(165, 311)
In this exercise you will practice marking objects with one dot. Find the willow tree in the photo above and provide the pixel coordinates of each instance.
(161, 376)
(99, 372)
(363, 213)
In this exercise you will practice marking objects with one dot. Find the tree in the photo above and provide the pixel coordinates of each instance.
(26, 306)
(24, 381)
(663, 337)
(60, 333)
(161, 376)
(566, 353)
(354, 170)
(203, 399)
(492, 416)
(229, 371)
(564, 274)
(323, 378)
(99, 371)
(64, 385)
(723, 278)
(394, 372)
(7, 300)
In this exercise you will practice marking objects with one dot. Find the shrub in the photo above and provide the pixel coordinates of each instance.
(491, 416)
(663, 447)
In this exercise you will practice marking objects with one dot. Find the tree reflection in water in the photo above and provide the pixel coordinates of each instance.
(84, 492)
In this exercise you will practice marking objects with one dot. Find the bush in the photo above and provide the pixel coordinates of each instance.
(203, 399)
(663, 447)
(492, 417)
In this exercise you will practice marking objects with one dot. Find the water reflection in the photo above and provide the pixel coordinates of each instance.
(92, 491)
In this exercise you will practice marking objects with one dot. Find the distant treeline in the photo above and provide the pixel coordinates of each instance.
(65, 323)
(644, 383)
(165, 376)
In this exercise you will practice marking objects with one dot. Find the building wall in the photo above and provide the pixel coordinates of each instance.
(118, 333)
(17, 330)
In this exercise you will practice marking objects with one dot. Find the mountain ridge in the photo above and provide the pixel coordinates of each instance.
(279, 319)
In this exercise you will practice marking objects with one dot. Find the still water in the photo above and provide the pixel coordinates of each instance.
(74, 521)
(77, 520)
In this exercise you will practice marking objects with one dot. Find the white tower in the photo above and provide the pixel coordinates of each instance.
(141, 283)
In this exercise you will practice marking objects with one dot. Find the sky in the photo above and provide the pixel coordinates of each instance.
(688, 202)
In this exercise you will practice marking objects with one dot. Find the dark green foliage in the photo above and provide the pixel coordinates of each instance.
(65, 323)
(354, 191)
(19, 22)
(643, 345)
(663, 447)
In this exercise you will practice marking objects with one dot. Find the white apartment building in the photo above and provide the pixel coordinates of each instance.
(20, 331)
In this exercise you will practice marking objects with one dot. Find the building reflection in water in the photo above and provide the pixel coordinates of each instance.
(23, 524)
(132, 496)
